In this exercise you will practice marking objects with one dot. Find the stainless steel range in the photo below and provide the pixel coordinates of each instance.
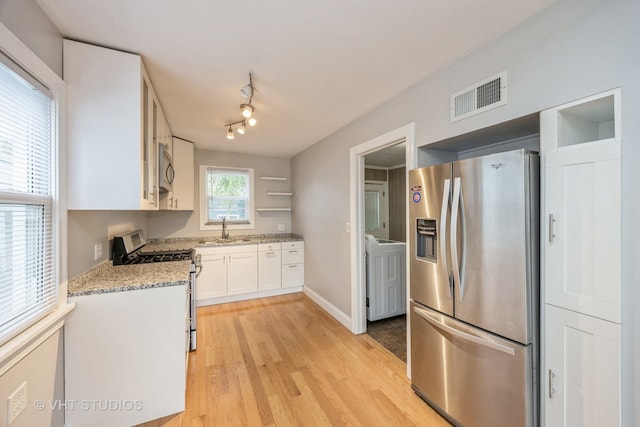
(130, 249)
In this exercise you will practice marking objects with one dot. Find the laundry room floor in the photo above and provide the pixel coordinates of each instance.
(392, 334)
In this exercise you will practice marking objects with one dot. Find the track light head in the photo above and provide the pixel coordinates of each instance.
(241, 128)
(247, 91)
(247, 110)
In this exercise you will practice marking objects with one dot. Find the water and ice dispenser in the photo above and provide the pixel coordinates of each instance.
(426, 239)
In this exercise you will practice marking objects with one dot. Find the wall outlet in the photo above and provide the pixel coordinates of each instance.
(280, 227)
(347, 227)
(16, 403)
(97, 251)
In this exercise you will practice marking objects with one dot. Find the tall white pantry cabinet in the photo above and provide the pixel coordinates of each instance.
(581, 268)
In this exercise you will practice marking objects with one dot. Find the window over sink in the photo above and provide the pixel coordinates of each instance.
(226, 194)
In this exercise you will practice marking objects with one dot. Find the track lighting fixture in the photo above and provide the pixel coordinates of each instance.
(247, 109)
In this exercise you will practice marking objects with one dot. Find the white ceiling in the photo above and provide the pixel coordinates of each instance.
(317, 66)
(388, 157)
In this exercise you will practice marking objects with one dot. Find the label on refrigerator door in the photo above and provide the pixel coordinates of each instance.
(417, 197)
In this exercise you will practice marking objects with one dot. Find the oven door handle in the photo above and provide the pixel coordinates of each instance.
(198, 264)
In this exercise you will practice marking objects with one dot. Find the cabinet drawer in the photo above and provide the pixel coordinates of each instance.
(292, 256)
(292, 275)
(269, 247)
(299, 244)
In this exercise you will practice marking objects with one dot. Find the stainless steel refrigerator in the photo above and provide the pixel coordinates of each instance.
(474, 288)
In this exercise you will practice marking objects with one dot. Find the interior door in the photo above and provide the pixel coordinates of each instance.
(376, 209)
(495, 221)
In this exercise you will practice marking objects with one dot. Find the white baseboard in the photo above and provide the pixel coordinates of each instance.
(251, 295)
(329, 308)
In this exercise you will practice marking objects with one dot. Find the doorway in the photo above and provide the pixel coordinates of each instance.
(361, 155)
(385, 254)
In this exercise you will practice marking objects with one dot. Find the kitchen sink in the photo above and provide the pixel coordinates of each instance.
(229, 240)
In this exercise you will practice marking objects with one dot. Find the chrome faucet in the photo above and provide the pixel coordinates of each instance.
(225, 232)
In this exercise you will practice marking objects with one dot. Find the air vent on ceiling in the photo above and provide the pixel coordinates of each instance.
(482, 96)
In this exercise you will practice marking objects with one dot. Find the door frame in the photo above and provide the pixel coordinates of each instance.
(358, 285)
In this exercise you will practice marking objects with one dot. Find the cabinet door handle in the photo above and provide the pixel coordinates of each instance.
(552, 390)
(552, 233)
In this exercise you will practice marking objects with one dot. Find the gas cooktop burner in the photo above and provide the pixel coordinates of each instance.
(146, 257)
(130, 249)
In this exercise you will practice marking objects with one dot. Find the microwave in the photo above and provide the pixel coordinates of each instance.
(166, 173)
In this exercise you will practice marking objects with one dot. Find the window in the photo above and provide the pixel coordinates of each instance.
(28, 274)
(226, 193)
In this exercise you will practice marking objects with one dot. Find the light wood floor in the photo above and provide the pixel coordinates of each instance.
(283, 361)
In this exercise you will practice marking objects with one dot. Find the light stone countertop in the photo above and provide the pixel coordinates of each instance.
(211, 241)
(107, 277)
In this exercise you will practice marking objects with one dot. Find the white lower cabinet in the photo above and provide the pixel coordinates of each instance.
(233, 273)
(227, 270)
(269, 266)
(582, 378)
(212, 281)
(292, 264)
(242, 272)
(125, 357)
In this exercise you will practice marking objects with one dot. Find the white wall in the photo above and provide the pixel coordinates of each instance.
(29, 23)
(568, 51)
(88, 228)
(42, 370)
(186, 224)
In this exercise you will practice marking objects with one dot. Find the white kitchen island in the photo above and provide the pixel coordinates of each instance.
(125, 344)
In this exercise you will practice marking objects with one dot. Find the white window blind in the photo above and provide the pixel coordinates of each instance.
(28, 284)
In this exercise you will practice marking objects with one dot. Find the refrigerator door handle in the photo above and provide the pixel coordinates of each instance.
(443, 230)
(456, 205)
(463, 335)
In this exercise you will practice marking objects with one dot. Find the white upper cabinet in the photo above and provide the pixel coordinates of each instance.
(582, 223)
(113, 113)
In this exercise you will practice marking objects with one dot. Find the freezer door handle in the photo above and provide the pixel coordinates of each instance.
(457, 205)
(463, 335)
(443, 231)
